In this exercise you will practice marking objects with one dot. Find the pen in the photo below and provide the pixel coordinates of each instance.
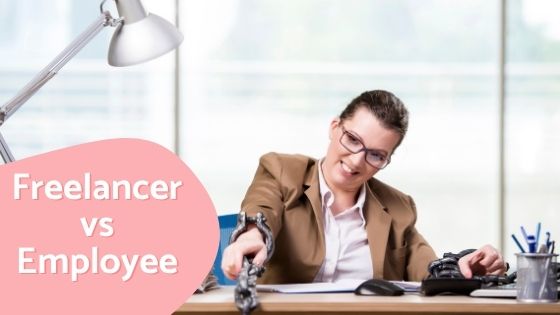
(517, 242)
(538, 234)
(524, 233)
(552, 247)
(544, 282)
(532, 244)
(547, 240)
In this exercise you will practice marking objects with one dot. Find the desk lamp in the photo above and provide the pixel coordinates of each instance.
(139, 36)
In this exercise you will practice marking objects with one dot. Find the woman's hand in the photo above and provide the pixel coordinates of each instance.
(484, 261)
(250, 243)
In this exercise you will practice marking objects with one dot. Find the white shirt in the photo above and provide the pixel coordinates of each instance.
(347, 253)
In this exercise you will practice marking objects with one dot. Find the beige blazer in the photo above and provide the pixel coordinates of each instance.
(286, 190)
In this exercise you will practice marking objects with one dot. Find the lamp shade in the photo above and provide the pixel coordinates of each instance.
(141, 36)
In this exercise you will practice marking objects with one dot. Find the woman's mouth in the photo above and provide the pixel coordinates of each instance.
(347, 170)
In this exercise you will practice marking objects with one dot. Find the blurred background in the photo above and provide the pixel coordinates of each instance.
(258, 76)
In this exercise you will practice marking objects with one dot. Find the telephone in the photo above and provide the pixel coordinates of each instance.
(445, 278)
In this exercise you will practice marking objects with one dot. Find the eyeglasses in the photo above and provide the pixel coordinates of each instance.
(352, 143)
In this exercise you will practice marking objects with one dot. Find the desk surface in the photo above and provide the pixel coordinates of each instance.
(221, 301)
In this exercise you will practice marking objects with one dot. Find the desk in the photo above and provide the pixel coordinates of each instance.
(220, 301)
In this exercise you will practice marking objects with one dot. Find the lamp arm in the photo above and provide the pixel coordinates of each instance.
(5, 151)
(51, 69)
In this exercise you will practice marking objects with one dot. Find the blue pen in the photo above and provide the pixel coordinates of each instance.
(532, 244)
(524, 233)
(547, 240)
(517, 242)
(538, 234)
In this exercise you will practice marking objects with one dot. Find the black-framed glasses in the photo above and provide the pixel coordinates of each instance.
(353, 144)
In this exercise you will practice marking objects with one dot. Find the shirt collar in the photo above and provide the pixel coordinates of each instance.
(327, 196)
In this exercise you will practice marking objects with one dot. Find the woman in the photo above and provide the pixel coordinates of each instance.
(331, 219)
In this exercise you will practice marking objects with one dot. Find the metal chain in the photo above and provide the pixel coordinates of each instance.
(448, 267)
(245, 293)
(246, 290)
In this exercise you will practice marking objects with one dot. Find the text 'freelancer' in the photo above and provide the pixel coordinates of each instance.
(97, 189)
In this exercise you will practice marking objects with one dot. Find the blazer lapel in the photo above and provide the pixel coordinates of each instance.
(378, 224)
(314, 195)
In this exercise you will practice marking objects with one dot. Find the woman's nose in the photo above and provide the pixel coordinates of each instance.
(357, 158)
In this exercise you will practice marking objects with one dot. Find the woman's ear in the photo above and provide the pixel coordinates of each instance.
(334, 124)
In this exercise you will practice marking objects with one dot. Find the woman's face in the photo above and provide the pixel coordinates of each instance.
(346, 171)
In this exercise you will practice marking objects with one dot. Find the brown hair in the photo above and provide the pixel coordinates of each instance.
(385, 106)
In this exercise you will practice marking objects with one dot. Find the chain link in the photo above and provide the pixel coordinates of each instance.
(245, 293)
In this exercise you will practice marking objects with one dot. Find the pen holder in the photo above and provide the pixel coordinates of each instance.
(536, 278)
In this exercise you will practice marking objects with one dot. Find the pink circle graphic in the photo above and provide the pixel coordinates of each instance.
(112, 227)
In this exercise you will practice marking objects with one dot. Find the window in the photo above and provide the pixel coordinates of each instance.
(260, 76)
(532, 119)
(269, 76)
